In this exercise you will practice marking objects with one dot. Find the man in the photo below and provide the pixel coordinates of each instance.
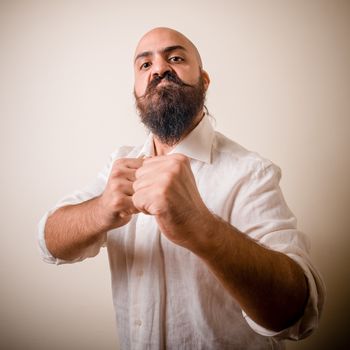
(204, 252)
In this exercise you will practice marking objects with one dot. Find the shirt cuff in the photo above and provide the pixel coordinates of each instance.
(310, 319)
(44, 252)
(47, 257)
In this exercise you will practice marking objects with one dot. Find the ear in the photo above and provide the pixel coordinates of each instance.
(206, 79)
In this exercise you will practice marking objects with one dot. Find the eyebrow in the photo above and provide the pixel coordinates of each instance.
(165, 50)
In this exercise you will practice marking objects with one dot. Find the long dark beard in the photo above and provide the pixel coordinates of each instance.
(169, 111)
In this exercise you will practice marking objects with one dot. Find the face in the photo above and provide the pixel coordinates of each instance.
(164, 50)
(170, 85)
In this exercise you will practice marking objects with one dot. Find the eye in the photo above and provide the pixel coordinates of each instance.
(145, 65)
(176, 59)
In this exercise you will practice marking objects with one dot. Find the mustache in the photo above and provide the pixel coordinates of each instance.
(167, 76)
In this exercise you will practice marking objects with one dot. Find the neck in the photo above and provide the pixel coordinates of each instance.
(162, 149)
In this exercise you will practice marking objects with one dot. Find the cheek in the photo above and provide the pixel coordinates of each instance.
(189, 76)
(140, 86)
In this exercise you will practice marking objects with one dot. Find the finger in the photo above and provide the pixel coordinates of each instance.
(155, 180)
(148, 202)
(121, 185)
(152, 168)
(156, 165)
(139, 204)
(126, 213)
(156, 159)
(123, 173)
(127, 207)
(132, 163)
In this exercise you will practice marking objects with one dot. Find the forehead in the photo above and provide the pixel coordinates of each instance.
(159, 39)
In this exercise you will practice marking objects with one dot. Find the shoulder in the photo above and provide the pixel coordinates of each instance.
(229, 153)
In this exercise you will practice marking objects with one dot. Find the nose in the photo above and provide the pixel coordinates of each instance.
(159, 67)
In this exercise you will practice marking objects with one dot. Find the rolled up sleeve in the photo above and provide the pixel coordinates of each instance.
(94, 190)
(263, 214)
(90, 251)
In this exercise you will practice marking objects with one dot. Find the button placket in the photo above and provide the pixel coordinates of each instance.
(142, 249)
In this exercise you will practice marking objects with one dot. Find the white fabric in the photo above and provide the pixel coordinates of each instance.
(164, 296)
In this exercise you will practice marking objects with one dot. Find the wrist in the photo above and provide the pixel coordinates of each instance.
(102, 221)
(210, 237)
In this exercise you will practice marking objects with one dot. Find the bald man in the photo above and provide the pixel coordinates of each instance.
(204, 252)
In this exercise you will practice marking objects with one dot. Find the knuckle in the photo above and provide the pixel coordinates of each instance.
(119, 161)
(136, 200)
(162, 191)
(167, 179)
(181, 158)
(157, 211)
(138, 173)
(116, 186)
(135, 185)
(118, 202)
(176, 166)
(117, 172)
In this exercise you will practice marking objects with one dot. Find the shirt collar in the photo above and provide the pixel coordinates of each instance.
(148, 148)
(196, 145)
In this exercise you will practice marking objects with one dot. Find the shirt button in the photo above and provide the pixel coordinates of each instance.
(138, 323)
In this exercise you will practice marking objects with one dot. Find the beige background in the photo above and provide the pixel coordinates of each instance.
(280, 85)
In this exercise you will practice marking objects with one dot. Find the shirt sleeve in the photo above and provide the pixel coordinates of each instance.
(261, 212)
(94, 190)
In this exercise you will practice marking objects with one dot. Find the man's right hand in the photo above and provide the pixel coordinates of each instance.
(115, 204)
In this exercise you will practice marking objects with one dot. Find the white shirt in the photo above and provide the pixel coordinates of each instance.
(164, 295)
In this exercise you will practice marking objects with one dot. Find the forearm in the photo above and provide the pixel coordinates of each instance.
(270, 287)
(73, 228)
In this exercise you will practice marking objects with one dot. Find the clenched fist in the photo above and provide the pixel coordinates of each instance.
(116, 204)
(165, 187)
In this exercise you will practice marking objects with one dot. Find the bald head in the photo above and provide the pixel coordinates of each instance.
(171, 37)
